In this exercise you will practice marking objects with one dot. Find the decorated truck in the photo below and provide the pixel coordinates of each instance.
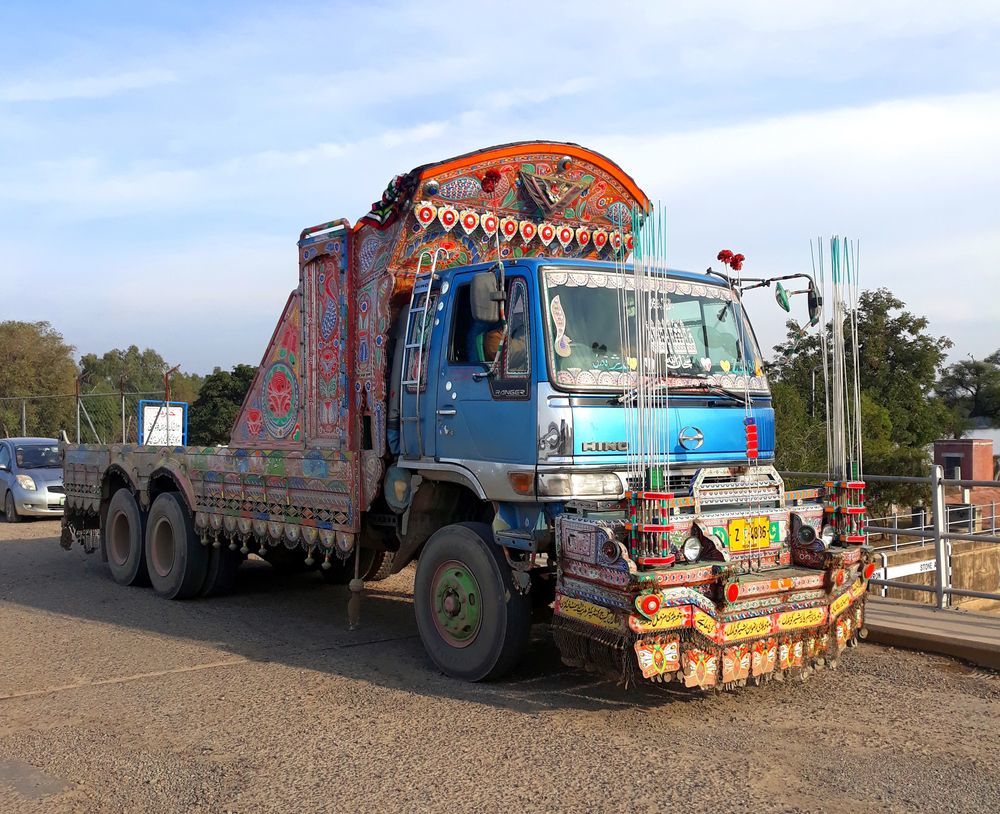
(493, 373)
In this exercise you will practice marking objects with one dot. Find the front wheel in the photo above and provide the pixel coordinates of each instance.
(10, 510)
(473, 622)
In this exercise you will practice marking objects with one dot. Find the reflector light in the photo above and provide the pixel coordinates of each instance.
(649, 604)
(869, 570)
(732, 592)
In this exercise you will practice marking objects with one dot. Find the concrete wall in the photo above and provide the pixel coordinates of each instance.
(974, 566)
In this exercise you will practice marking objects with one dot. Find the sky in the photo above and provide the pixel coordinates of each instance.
(158, 160)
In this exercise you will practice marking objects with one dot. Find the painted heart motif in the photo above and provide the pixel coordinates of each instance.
(706, 363)
(583, 237)
(489, 222)
(508, 228)
(448, 216)
(469, 220)
(600, 239)
(546, 233)
(629, 242)
(528, 230)
(425, 214)
(565, 235)
(616, 240)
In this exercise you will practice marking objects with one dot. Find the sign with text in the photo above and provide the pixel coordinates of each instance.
(162, 424)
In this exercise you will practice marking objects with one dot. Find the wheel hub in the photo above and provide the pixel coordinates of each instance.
(456, 600)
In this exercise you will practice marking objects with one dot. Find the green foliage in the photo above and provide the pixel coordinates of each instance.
(35, 361)
(212, 416)
(902, 414)
(972, 389)
(135, 371)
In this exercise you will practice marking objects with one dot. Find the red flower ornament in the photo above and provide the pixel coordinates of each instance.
(490, 181)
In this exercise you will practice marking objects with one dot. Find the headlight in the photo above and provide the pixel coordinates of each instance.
(827, 536)
(26, 483)
(807, 534)
(580, 484)
(692, 549)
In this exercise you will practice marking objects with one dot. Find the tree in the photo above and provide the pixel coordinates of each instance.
(35, 361)
(212, 416)
(140, 371)
(902, 415)
(972, 389)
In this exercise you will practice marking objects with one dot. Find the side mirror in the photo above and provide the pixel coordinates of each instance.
(781, 297)
(485, 297)
(4, 468)
(815, 303)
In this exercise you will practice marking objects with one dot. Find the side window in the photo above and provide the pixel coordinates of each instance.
(517, 353)
(5, 456)
(465, 346)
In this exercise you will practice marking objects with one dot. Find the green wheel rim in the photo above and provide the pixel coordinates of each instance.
(457, 603)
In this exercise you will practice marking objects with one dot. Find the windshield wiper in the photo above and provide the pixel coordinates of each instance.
(715, 389)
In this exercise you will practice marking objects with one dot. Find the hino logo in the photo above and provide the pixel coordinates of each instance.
(691, 438)
(605, 446)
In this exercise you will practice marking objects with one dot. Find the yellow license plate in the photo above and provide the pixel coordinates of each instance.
(749, 533)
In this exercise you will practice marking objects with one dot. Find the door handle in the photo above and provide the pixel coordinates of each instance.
(447, 411)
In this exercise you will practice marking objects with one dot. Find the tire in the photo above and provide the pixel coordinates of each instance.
(473, 623)
(223, 564)
(381, 567)
(176, 560)
(123, 537)
(10, 514)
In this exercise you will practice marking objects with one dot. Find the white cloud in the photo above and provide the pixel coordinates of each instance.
(84, 87)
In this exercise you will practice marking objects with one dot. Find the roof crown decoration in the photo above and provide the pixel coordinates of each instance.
(526, 199)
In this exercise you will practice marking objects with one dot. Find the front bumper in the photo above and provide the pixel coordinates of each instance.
(40, 502)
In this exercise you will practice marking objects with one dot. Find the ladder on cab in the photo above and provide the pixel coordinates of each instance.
(415, 342)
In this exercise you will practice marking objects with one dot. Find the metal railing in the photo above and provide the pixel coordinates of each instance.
(942, 529)
(99, 417)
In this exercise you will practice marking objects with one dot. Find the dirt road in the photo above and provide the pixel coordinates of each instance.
(114, 700)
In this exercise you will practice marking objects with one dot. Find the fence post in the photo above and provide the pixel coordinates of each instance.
(942, 583)
(78, 409)
(24, 418)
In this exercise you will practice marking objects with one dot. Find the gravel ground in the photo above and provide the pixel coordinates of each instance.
(114, 700)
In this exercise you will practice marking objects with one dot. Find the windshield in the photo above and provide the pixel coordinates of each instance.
(37, 456)
(696, 330)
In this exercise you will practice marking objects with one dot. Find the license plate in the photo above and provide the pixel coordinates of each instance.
(749, 533)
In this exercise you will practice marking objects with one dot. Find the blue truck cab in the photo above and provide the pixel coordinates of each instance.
(711, 572)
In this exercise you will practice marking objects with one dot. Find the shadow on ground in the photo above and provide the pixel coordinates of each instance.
(298, 620)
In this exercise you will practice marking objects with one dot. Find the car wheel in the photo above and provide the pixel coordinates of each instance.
(10, 510)
(176, 560)
(123, 536)
(473, 622)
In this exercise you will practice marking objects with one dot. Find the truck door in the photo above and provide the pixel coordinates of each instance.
(486, 419)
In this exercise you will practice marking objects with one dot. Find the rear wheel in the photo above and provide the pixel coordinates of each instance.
(473, 622)
(176, 560)
(124, 540)
(10, 510)
(220, 577)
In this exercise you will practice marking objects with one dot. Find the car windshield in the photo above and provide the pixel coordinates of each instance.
(693, 331)
(37, 456)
